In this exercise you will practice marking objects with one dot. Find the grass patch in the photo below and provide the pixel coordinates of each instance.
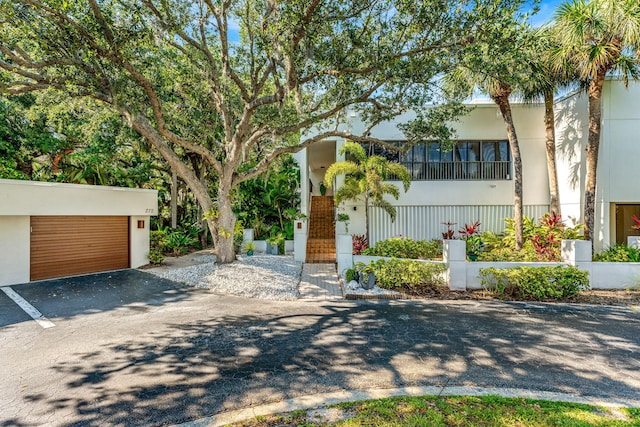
(459, 411)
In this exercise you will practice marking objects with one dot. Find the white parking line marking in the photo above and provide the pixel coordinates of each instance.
(28, 308)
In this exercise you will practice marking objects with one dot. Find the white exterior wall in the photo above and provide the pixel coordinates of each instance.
(19, 200)
(14, 249)
(45, 198)
(618, 158)
(461, 201)
(139, 241)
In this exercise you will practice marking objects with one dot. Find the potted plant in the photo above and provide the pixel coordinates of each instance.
(250, 247)
(366, 273)
(323, 189)
(274, 242)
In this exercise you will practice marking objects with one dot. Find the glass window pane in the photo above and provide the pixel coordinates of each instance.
(504, 150)
(446, 155)
(488, 151)
(419, 153)
(434, 152)
(408, 156)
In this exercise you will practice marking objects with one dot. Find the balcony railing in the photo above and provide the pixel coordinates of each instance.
(459, 171)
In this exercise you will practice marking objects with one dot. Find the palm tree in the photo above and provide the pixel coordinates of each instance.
(365, 176)
(542, 83)
(597, 37)
(497, 83)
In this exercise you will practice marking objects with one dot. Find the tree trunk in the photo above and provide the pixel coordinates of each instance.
(593, 144)
(502, 100)
(220, 225)
(549, 124)
(222, 231)
(174, 200)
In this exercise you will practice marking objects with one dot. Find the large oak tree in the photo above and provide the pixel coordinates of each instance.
(238, 83)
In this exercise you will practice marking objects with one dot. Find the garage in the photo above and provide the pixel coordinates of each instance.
(50, 230)
(71, 245)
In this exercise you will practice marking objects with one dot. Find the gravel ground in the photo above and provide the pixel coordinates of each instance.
(267, 277)
(353, 288)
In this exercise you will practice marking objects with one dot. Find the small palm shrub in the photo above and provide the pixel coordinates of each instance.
(398, 247)
(178, 242)
(618, 253)
(535, 283)
(414, 276)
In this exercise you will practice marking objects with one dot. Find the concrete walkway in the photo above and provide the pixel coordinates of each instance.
(319, 282)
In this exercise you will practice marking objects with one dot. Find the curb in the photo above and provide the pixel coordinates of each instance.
(324, 399)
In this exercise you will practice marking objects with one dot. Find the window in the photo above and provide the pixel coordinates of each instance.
(467, 160)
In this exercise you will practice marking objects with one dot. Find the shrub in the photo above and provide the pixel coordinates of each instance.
(414, 275)
(155, 257)
(350, 275)
(157, 239)
(541, 241)
(618, 253)
(537, 283)
(398, 247)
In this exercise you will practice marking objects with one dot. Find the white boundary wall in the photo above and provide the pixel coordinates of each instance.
(462, 275)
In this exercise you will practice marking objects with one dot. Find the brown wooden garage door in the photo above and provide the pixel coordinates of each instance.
(71, 245)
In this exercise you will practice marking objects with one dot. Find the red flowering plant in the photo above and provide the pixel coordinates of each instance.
(470, 233)
(359, 243)
(450, 233)
(637, 221)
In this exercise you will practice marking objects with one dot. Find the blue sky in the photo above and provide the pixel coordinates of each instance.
(547, 10)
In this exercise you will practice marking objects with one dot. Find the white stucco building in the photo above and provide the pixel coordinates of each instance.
(50, 230)
(474, 182)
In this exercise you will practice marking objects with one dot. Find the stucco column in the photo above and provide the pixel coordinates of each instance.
(300, 240)
(455, 256)
(344, 252)
(577, 253)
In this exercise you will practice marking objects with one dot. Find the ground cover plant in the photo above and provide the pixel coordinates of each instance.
(402, 247)
(454, 411)
(535, 283)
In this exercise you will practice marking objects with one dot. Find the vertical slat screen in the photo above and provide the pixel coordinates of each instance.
(426, 222)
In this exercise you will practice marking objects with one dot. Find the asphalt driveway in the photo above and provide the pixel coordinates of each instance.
(130, 349)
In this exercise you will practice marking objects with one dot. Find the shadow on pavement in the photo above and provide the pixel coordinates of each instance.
(94, 293)
(188, 371)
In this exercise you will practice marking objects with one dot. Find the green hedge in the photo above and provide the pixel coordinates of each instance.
(537, 283)
(404, 273)
(398, 247)
(619, 253)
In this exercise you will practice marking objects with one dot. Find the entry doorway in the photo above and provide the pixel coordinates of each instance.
(624, 212)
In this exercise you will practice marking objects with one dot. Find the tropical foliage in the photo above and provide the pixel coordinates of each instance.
(542, 240)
